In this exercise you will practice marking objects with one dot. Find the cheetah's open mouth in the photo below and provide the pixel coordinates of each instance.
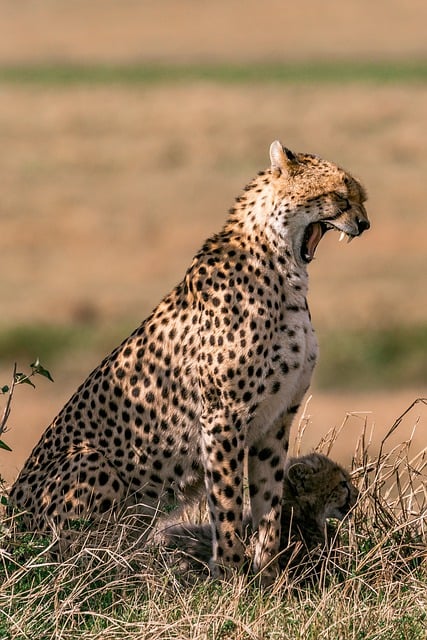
(312, 236)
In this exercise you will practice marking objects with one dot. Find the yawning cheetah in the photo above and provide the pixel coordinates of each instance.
(216, 372)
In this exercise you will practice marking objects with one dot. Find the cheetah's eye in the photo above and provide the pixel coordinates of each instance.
(342, 202)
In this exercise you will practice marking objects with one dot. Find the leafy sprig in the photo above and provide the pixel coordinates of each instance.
(18, 378)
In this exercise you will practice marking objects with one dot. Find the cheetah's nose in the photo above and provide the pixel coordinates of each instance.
(362, 224)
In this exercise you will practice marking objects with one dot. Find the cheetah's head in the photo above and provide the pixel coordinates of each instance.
(314, 196)
(321, 487)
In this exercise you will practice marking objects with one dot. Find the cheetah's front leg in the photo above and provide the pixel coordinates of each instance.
(223, 462)
(266, 463)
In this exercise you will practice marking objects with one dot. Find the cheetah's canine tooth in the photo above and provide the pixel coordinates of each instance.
(343, 235)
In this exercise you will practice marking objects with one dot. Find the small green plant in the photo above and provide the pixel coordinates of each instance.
(8, 390)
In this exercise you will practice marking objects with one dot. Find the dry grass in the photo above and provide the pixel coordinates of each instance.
(376, 587)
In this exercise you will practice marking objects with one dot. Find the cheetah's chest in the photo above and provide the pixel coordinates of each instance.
(290, 372)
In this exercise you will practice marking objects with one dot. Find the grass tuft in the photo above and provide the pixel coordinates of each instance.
(113, 587)
(388, 357)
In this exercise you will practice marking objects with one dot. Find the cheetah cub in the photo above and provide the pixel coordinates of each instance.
(214, 374)
(314, 489)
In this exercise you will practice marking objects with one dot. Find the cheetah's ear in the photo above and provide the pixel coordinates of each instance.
(282, 159)
(298, 474)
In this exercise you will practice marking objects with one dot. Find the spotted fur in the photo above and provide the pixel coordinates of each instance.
(216, 372)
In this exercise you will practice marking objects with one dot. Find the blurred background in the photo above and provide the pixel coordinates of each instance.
(127, 129)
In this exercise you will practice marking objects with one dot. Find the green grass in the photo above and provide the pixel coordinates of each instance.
(144, 74)
(373, 358)
(51, 342)
(354, 359)
(94, 596)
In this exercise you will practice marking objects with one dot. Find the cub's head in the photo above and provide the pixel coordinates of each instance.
(320, 487)
(313, 196)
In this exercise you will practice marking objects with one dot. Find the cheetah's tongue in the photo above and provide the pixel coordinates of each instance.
(313, 235)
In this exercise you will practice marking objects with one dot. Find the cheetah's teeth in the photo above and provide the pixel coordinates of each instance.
(349, 239)
(342, 236)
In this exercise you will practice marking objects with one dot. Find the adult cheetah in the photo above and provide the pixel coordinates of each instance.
(217, 371)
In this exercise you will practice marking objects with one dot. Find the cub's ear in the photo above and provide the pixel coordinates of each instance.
(298, 474)
(282, 159)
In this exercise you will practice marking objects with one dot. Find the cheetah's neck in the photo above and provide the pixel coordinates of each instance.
(251, 225)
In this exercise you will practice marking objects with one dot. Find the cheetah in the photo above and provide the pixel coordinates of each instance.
(212, 377)
(315, 489)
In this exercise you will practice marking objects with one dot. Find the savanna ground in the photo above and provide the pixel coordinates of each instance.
(124, 141)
